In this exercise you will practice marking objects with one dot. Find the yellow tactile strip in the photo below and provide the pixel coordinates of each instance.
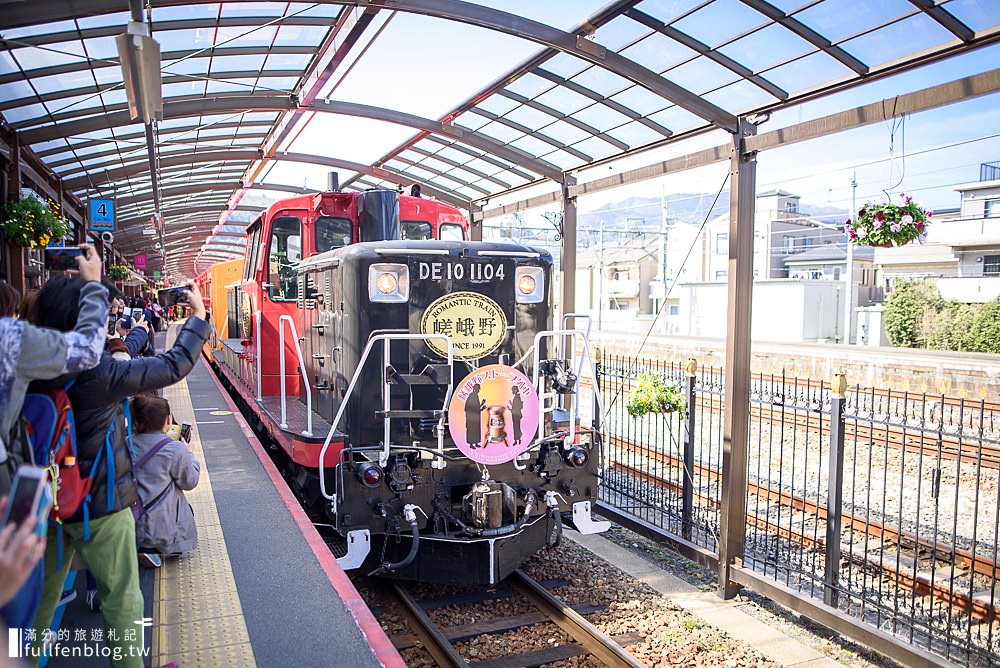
(197, 616)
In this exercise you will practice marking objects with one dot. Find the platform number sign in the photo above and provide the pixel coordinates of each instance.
(102, 215)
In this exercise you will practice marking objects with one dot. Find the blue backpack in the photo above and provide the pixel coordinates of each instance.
(51, 429)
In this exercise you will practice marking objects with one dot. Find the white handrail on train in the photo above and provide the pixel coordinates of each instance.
(590, 368)
(386, 338)
(565, 323)
(260, 396)
(302, 369)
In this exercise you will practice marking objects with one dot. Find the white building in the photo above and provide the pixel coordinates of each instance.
(962, 251)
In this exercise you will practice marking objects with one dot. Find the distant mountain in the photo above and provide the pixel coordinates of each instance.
(643, 214)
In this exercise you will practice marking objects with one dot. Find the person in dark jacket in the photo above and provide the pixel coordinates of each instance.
(107, 541)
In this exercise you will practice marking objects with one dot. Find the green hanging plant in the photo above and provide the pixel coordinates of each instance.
(652, 394)
(31, 223)
(118, 272)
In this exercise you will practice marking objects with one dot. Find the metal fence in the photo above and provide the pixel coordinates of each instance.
(880, 505)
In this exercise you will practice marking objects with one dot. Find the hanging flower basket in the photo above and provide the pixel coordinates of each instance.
(118, 272)
(652, 395)
(888, 224)
(32, 223)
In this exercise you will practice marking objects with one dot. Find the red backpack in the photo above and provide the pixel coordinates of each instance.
(49, 424)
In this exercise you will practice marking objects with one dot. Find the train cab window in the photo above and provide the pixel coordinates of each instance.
(284, 250)
(331, 233)
(253, 245)
(416, 230)
(451, 232)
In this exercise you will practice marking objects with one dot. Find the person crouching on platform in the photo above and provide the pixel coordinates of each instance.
(105, 535)
(164, 470)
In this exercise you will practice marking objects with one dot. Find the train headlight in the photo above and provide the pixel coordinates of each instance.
(370, 475)
(577, 457)
(529, 285)
(388, 282)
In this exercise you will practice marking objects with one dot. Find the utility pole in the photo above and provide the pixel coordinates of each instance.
(663, 253)
(849, 273)
(600, 288)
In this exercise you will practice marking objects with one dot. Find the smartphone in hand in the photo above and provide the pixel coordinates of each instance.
(30, 494)
(62, 258)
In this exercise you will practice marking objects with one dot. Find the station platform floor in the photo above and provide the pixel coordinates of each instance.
(262, 588)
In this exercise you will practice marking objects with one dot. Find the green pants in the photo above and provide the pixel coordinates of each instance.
(110, 554)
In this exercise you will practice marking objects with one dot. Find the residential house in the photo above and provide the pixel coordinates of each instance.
(962, 250)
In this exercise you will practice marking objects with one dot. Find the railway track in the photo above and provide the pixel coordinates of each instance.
(923, 441)
(894, 549)
(440, 642)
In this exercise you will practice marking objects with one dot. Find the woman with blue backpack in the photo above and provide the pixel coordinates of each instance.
(103, 530)
(30, 353)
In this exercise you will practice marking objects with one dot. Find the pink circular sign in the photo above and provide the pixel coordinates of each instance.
(493, 416)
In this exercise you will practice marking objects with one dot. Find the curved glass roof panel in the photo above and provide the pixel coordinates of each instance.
(526, 110)
(658, 52)
(977, 14)
(766, 48)
(719, 22)
(837, 21)
(897, 40)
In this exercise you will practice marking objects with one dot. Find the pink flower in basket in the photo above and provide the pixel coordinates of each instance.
(861, 233)
(894, 228)
(906, 219)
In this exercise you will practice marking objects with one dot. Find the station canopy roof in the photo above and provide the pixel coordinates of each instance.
(469, 99)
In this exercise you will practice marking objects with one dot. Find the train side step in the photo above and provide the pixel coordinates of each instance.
(409, 414)
(433, 374)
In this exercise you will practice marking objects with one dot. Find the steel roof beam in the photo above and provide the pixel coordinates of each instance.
(175, 24)
(703, 49)
(130, 136)
(171, 109)
(555, 113)
(597, 97)
(513, 125)
(32, 13)
(575, 45)
(482, 142)
(175, 78)
(118, 152)
(93, 64)
(808, 34)
(222, 104)
(946, 19)
(435, 172)
(186, 159)
(453, 163)
(595, 22)
(485, 157)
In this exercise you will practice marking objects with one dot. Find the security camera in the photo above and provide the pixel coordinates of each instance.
(107, 237)
(156, 245)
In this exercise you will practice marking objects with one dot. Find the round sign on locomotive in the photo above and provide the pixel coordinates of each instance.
(414, 383)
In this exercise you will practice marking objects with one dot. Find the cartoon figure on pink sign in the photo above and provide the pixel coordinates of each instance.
(493, 414)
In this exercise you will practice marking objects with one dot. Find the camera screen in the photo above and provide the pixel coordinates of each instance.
(61, 259)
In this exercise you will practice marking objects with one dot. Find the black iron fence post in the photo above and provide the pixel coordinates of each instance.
(597, 388)
(835, 489)
(687, 501)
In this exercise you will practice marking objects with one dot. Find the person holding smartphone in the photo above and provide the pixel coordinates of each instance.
(20, 549)
(164, 470)
(109, 547)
